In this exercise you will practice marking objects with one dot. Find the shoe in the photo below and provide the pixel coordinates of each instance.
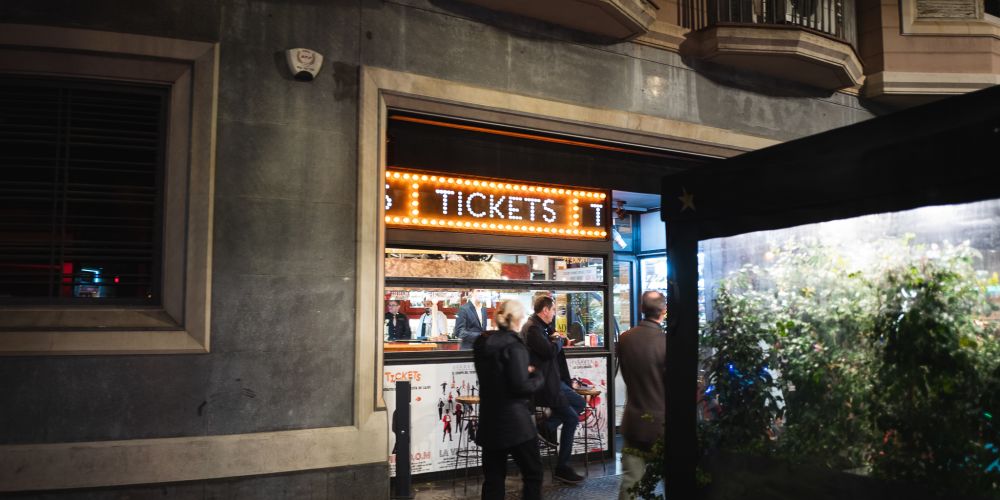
(567, 475)
(548, 436)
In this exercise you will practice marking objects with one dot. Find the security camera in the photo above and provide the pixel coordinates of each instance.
(304, 63)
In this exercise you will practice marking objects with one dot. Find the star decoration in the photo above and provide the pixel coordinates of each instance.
(687, 200)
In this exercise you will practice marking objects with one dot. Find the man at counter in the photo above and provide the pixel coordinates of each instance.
(471, 321)
(433, 323)
(397, 324)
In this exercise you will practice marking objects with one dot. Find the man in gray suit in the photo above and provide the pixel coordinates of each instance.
(471, 320)
(642, 354)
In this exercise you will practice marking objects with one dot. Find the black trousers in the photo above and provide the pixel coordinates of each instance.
(526, 457)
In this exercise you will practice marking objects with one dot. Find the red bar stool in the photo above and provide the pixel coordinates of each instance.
(588, 419)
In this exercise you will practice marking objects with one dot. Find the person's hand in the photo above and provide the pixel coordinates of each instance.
(531, 368)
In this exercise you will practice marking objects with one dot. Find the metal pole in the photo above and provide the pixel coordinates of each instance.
(401, 426)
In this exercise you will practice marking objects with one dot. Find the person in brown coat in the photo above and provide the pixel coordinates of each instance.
(642, 354)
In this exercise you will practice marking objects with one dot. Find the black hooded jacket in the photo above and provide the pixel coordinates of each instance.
(505, 390)
(546, 358)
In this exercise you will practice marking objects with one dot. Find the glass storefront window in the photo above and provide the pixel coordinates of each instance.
(622, 293)
(408, 263)
(869, 345)
(653, 274)
(579, 313)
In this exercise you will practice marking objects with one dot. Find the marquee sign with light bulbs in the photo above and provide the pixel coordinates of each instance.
(435, 201)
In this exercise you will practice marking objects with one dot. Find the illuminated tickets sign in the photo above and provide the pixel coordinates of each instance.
(425, 200)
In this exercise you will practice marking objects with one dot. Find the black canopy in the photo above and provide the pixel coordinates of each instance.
(940, 153)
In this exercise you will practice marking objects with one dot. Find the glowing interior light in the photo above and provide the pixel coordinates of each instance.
(576, 216)
(475, 183)
(468, 224)
(395, 219)
(603, 196)
(423, 177)
(415, 186)
(531, 188)
(415, 203)
(604, 233)
(451, 223)
(388, 219)
(387, 175)
(434, 178)
(406, 220)
(415, 195)
(576, 209)
(395, 175)
(576, 223)
(414, 212)
(406, 176)
(575, 201)
(475, 224)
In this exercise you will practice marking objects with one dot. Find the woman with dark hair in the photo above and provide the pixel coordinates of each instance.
(506, 424)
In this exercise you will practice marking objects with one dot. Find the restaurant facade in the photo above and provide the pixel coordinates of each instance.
(445, 151)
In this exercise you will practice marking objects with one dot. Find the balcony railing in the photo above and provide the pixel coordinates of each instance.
(831, 17)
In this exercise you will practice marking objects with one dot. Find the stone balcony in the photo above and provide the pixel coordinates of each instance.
(611, 19)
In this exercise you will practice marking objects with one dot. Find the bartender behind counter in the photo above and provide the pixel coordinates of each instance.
(397, 323)
(433, 323)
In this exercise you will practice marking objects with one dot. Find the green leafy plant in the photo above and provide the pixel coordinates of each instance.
(885, 363)
(938, 354)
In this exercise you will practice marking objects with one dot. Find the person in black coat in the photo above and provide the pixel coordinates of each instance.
(506, 425)
(548, 358)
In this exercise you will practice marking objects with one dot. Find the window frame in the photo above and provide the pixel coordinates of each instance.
(189, 69)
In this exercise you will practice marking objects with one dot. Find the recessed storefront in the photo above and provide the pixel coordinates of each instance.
(483, 213)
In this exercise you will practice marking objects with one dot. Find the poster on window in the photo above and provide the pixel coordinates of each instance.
(439, 423)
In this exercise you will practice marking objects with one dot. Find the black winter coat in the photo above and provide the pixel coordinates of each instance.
(505, 389)
(545, 357)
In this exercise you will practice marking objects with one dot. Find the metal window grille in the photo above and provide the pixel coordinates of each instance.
(81, 176)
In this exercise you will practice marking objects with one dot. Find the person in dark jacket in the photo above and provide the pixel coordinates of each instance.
(548, 358)
(642, 353)
(471, 320)
(506, 425)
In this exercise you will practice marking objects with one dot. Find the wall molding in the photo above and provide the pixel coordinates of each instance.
(889, 83)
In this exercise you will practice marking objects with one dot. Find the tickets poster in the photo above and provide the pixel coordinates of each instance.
(439, 423)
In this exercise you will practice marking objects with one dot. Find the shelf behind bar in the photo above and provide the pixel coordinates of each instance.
(465, 284)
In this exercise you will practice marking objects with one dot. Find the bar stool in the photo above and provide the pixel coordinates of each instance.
(470, 451)
(588, 417)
